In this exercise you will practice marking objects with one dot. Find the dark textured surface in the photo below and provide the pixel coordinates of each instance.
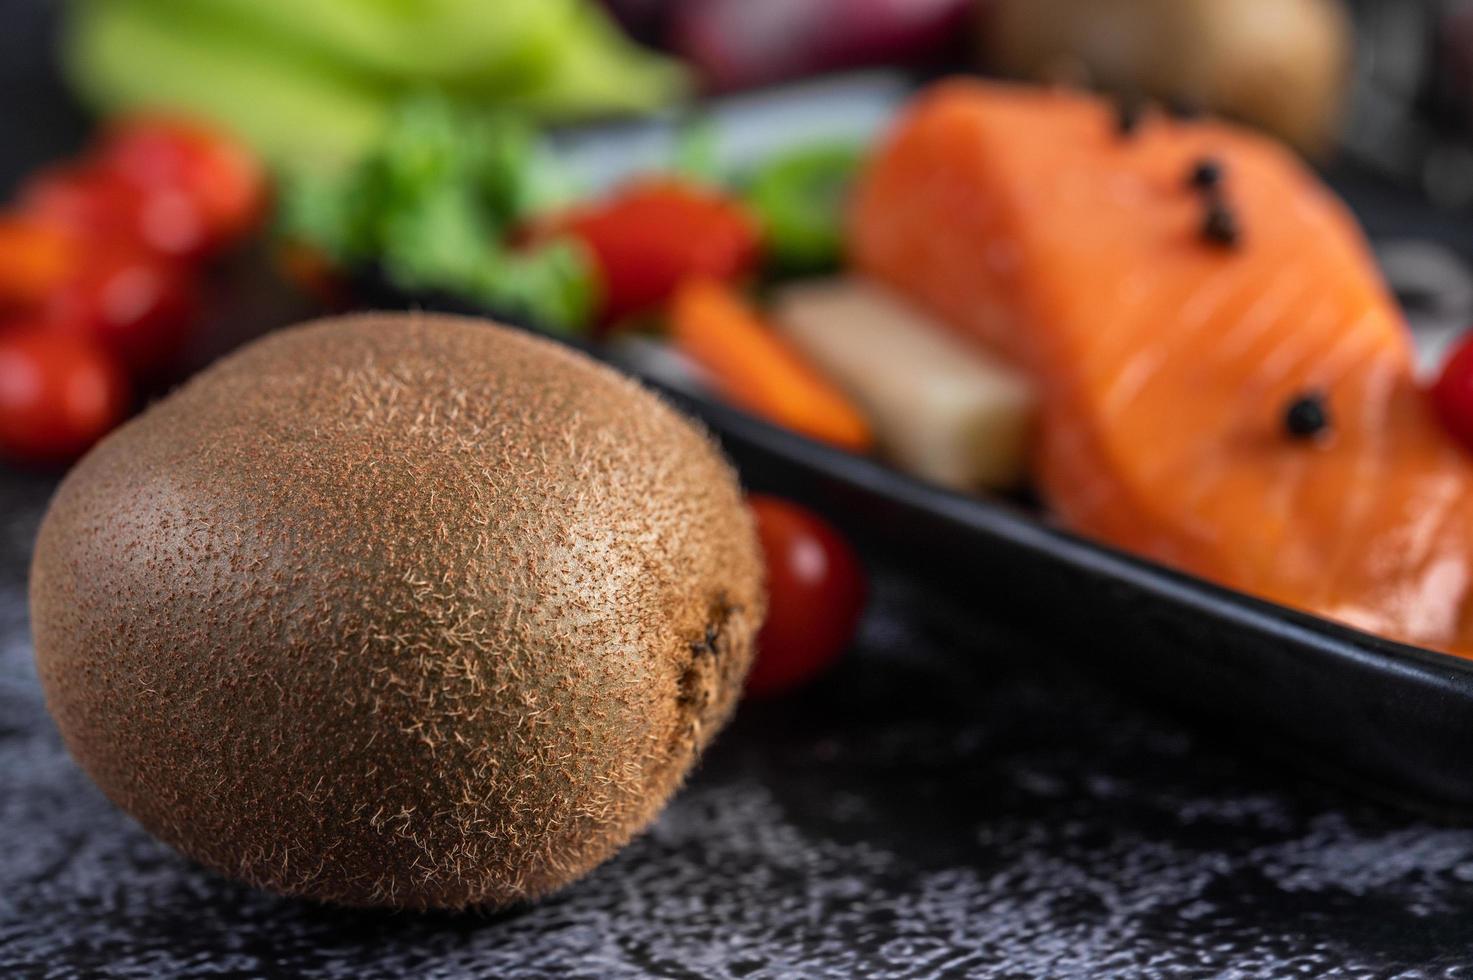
(954, 801)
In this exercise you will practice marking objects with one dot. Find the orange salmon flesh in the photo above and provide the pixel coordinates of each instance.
(1024, 218)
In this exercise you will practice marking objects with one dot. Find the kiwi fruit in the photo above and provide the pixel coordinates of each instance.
(397, 610)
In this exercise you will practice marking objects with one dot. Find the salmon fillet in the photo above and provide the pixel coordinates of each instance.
(1024, 218)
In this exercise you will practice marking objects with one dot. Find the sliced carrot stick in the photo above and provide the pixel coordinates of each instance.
(757, 370)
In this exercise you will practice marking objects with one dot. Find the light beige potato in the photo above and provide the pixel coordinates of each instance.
(942, 409)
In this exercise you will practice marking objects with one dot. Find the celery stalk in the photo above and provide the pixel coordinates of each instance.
(599, 70)
(120, 56)
(414, 42)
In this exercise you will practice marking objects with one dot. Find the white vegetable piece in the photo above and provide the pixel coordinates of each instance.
(942, 409)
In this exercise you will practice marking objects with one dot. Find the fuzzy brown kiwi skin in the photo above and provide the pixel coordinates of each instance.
(397, 610)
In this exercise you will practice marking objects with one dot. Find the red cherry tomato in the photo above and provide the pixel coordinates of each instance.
(816, 591)
(219, 177)
(1452, 393)
(78, 200)
(58, 395)
(653, 235)
(138, 305)
(99, 206)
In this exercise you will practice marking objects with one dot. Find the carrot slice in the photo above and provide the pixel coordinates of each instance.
(34, 261)
(757, 370)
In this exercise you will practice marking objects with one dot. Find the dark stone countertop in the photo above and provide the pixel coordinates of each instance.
(952, 801)
(955, 800)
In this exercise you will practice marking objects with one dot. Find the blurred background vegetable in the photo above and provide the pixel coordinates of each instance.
(434, 205)
(652, 235)
(35, 259)
(755, 368)
(317, 83)
(1282, 64)
(800, 197)
(139, 307)
(741, 43)
(1452, 392)
(419, 149)
(58, 395)
(101, 259)
(223, 182)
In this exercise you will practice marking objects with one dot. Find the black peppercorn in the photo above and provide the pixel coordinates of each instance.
(1220, 225)
(1184, 110)
(1206, 175)
(1130, 112)
(1307, 416)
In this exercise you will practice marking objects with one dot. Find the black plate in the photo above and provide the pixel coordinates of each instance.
(1393, 719)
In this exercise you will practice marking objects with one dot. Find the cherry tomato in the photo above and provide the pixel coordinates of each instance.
(816, 591)
(220, 178)
(77, 200)
(1452, 393)
(35, 259)
(138, 305)
(655, 234)
(58, 395)
(99, 206)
